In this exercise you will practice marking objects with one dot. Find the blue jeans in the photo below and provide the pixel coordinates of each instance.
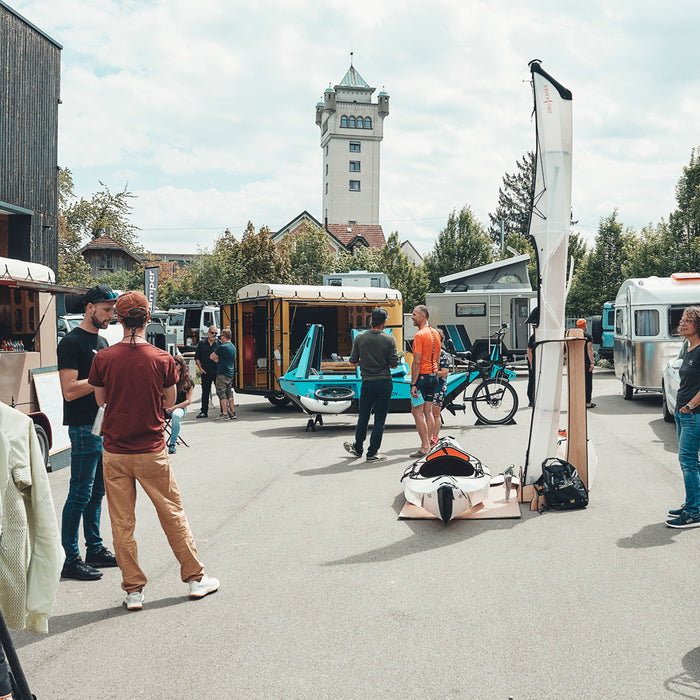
(375, 394)
(688, 432)
(176, 419)
(85, 492)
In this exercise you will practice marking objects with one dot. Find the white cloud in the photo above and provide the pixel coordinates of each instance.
(207, 110)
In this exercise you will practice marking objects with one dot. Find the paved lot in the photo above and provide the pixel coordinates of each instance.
(326, 594)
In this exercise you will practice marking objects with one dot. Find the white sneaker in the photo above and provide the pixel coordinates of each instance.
(198, 589)
(134, 600)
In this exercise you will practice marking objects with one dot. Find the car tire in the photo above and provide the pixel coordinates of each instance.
(668, 416)
(627, 390)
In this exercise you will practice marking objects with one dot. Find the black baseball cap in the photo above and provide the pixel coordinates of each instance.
(102, 292)
(379, 315)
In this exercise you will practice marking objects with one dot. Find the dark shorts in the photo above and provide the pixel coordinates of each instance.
(224, 386)
(440, 393)
(426, 385)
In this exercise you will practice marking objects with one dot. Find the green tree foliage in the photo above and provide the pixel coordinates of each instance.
(601, 273)
(259, 258)
(308, 254)
(684, 222)
(104, 213)
(73, 270)
(461, 245)
(408, 278)
(646, 254)
(361, 259)
(514, 201)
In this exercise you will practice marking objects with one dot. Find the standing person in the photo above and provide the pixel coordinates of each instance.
(207, 367)
(426, 350)
(588, 360)
(225, 357)
(374, 351)
(76, 352)
(135, 379)
(444, 362)
(688, 422)
(176, 412)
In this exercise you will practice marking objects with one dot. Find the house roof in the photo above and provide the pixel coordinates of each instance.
(106, 242)
(346, 233)
(353, 79)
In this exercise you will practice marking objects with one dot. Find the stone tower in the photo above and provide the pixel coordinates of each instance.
(352, 128)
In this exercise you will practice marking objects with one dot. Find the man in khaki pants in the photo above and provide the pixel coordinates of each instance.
(133, 378)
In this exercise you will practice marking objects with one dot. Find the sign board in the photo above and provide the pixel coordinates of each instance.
(48, 393)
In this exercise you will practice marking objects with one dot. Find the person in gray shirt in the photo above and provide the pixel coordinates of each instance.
(375, 352)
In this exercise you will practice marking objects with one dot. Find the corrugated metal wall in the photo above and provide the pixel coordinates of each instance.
(30, 65)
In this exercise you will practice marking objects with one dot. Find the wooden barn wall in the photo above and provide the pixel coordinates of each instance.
(30, 67)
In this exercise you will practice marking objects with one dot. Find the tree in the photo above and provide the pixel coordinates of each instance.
(461, 245)
(308, 253)
(103, 213)
(684, 223)
(601, 273)
(408, 278)
(514, 200)
(259, 258)
(73, 270)
(360, 259)
(646, 254)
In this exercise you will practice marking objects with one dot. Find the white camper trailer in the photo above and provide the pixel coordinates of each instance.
(477, 302)
(647, 312)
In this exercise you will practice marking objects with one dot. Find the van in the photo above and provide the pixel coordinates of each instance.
(269, 323)
(189, 321)
(646, 337)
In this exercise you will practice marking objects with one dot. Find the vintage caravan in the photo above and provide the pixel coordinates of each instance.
(647, 312)
(270, 321)
(477, 302)
(28, 299)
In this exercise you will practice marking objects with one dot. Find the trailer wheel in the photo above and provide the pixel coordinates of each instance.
(279, 399)
(334, 393)
(43, 442)
(627, 390)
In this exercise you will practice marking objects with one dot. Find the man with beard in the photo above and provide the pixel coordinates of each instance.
(76, 352)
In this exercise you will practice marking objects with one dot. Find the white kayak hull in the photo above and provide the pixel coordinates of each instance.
(464, 484)
(314, 405)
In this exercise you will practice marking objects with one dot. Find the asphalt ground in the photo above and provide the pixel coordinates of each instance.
(325, 593)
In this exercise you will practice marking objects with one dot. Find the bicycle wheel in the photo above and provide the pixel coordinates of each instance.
(334, 393)
(494, 401)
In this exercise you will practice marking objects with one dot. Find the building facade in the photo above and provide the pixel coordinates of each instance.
(352, 128)
(30, 66)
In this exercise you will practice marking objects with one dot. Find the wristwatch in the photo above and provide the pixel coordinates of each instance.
(688, 407)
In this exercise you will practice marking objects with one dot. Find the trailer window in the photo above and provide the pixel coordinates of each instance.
(674, 318)
(646, 322)
(619, 322)
(470, 309)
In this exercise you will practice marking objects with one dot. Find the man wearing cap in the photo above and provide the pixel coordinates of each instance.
(206, 366)
(589, 361)
(76, 352)
(135, 380)
(375, 352)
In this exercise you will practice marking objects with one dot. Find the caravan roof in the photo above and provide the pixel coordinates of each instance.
(304, 291)
(660, 290)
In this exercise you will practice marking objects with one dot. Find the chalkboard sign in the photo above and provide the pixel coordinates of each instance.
(48, 393)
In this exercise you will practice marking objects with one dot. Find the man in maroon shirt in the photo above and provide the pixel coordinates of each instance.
(133, 378)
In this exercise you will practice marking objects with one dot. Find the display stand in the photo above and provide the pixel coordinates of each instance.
(576, 432)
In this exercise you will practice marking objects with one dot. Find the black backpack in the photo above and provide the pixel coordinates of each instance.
(561, 485)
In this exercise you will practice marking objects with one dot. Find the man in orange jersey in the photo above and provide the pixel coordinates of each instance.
(424, 379)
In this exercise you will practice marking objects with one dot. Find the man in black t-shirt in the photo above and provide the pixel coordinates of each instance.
(86, 490)
(207, 367)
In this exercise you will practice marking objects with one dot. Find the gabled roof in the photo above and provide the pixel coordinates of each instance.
(353, 79)
(106, 242)
(346, 233)
(295, 223)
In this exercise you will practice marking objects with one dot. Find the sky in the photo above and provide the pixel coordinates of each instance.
(206, 111)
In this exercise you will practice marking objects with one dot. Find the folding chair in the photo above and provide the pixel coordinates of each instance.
(167, 427)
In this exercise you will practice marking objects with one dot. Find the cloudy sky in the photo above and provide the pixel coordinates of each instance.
(206, 110)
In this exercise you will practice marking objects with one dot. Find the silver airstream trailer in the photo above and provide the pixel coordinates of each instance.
(647, 312)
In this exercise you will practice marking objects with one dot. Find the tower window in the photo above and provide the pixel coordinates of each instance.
(354, 185)
(354, 146)
(351, 122)
(354, 166)
(344, 121)
(326, 168)
(326, 188)
(368, 123)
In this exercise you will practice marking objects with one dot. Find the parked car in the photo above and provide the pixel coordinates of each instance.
(66, 323)
(670, 382)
